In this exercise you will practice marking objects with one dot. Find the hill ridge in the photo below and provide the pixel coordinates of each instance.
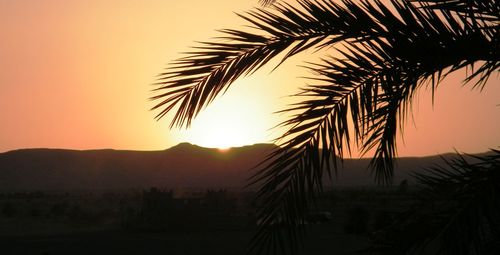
(180, 166)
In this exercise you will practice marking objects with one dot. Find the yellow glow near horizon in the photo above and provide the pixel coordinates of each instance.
(240, 117)
(220, 133)
(75, 74)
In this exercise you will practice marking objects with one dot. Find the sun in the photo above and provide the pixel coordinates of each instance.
(233, 120)
(223, 128)
(222, 133)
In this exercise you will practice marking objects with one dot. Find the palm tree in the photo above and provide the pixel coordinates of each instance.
(385, 53)
(458, 212)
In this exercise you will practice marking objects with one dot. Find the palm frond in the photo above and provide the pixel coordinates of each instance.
(374, 81)
(468, 191)
(385, 55)
(266, 2)
(194, 81)
(458, 213)
(479, 10)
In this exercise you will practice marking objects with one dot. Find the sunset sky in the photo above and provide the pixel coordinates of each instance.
(77, 74)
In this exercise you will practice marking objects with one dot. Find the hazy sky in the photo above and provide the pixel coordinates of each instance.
(77, 74)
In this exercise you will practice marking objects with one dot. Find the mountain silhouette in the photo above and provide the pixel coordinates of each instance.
(182, 166)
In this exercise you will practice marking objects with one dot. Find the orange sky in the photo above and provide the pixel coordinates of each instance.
(76, 74)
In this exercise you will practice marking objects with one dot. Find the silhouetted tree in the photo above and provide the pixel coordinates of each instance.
(9, 210)
(219, 201)
(358, 220)
(403, 186)
(156, 208)
(384, 55)
(58, 209)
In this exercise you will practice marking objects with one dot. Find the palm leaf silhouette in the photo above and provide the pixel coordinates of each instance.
(384, 55)
(458, 213)
(266, 2)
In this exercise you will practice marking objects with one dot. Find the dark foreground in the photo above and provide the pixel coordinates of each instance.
(164, 222)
